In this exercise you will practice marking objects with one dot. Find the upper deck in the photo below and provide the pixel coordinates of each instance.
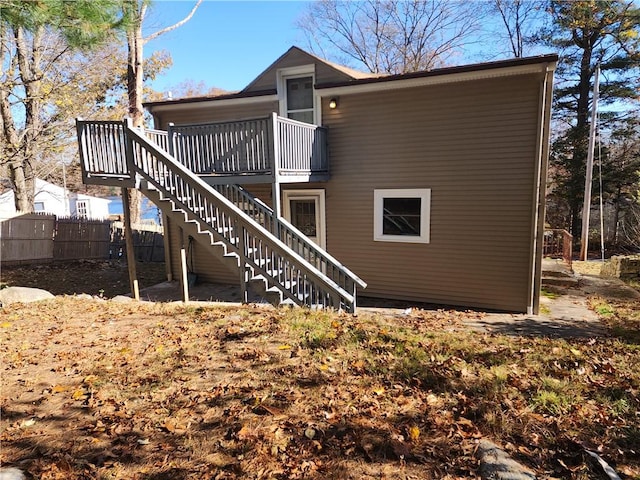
(259, 150)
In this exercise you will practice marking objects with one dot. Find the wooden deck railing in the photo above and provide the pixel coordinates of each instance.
(257, 248)
(558, 243)
(254, 146)
(104, 146)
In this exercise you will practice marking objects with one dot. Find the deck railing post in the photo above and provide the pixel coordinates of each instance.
(275, 164)
(170, 139)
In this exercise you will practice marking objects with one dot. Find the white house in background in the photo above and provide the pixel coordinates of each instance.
(50, 198)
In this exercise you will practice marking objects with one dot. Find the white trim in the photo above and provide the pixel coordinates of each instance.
(214, 103)
(436, 79)
(425, 214)
(282, 74)
(312, 194)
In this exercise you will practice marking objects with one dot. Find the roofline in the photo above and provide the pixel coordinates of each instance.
(518, 66)
(231, 98)
(501, 68)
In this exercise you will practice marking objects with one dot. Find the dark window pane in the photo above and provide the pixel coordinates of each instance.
(303, 216)
(299, 93)
(401, 216)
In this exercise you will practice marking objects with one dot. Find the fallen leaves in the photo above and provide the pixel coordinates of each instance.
(259, 393)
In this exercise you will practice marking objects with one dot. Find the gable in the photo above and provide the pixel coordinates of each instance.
(325, 72)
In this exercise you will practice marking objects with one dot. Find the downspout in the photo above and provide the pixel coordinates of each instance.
(540, 191)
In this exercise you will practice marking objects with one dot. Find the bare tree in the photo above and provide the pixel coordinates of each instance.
(520, 19)
(136, 11)
(390, 36)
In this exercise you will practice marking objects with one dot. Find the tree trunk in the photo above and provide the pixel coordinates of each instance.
(135, 89)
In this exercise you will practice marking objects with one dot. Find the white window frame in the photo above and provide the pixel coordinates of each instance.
(424, 194)
(308, 194)
(84, 205)
(284, 74)
(38, 204)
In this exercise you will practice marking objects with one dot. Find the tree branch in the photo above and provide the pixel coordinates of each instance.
(174, 26)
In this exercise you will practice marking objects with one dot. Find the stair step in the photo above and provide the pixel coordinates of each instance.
(560, 281)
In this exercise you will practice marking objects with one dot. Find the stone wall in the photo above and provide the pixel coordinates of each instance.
(625, 268)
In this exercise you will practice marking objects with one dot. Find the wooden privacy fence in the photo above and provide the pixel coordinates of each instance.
(148, 245)
(36, 238)
(81, 239)
(27, 238)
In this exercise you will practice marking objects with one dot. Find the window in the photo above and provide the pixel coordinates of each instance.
(82, 209)
(38, 206)
(402, 215)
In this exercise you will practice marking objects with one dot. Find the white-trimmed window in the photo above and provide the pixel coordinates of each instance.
(401, 215)
(82, 209)
(38, 206)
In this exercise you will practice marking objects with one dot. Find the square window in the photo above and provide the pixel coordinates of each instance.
(402, 215)
(38, 206)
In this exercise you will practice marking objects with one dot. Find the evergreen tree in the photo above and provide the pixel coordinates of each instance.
(588, 33)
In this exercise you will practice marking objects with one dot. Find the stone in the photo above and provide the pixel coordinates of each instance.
(11, 474)
(11, 295)
(122, 299)
(623, 267)
(496, 464)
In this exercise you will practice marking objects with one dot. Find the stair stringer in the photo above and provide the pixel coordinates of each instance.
(205, 237)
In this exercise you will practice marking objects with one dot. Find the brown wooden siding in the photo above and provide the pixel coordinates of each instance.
(295, 58)
(474, 145)
(187, 114)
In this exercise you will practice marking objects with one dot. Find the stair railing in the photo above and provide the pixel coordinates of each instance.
(257, 248)
(291, 236)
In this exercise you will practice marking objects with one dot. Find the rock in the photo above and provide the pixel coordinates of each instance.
(625, 268)
(121, 299)
(496, 464)
(11, 474)
(23, 295)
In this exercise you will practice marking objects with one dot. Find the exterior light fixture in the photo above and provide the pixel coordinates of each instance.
(333, 103)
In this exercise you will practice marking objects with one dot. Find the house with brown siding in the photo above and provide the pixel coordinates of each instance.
(426, 187)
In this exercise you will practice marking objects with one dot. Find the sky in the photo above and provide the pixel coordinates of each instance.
(227, 43)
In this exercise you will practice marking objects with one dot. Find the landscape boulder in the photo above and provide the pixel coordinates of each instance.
(11, 295)
(625, 268)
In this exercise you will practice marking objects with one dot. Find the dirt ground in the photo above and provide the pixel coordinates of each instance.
(106, 278)
(99, 390)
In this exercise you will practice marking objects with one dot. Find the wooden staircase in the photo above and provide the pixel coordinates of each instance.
(267, 252)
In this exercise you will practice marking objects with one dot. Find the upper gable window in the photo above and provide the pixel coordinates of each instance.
(296, 93)
(300, 98)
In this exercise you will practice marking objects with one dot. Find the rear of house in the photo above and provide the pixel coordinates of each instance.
(435, 188)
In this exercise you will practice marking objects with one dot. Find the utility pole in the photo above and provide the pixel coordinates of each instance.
(588, 179)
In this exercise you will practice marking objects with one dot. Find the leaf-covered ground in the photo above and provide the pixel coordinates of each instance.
(106, 278)
(105, 390)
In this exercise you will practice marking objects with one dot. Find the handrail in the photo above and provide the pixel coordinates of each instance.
(257, 248)
(290, 235)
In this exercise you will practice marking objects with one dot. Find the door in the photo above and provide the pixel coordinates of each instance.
(305, 210)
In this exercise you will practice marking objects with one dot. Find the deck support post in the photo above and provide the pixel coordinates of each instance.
(167, 246)
(244, 277)
(184, 280)
(128, 239)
